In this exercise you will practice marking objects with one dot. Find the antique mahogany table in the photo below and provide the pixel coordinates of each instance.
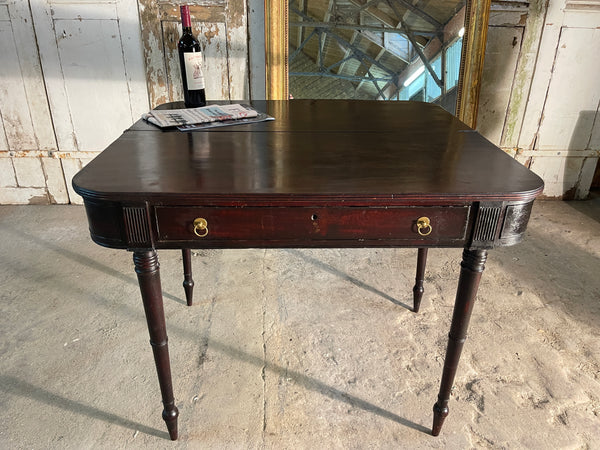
(325, 173)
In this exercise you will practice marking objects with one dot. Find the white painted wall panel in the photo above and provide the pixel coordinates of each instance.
(55, 180)
(573, 95)
(29, 172)
(33, 81)
(7, 173)
(91, 58)
(501, 57)
(16, 120)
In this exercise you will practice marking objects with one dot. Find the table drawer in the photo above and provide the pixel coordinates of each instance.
(305, 223)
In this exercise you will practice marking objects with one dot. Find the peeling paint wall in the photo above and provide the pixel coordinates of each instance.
(115, 59)
(540, 93)
(220, 26)
(74, 75)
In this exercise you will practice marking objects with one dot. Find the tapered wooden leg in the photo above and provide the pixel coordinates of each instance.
(472, 266)
(147, 269)
(188, 282)
(418, 289)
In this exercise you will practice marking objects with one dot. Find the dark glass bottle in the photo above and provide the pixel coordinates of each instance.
(191, 62)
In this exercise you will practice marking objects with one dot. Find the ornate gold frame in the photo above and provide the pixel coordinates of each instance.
(473, 51)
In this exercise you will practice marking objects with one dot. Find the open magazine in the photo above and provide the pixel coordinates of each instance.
(211, 116)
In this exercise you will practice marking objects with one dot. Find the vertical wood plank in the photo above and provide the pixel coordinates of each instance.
(133, 56)
(501, 57)
(573, 96)
(542, 74)
(29, 172)
(237, 62)
(33, 82)
(14, 110)
(55, 180)
(53, 75)
(94, 77)
(156, 75)
(70, 168)
(7, 173)
(534, 26)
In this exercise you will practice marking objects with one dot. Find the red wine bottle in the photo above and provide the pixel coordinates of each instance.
(191, 62)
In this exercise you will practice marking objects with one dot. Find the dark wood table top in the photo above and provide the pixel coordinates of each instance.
(316, 150)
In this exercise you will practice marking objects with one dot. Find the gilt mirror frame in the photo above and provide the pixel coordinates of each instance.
(471, 67)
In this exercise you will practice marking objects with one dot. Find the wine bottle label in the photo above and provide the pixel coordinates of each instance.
(193, 70)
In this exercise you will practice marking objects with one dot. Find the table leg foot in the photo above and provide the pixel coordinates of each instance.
(148, 273)
(188, 282)
(418, 289)
(440, 412)
(170, 418)
(472, 266)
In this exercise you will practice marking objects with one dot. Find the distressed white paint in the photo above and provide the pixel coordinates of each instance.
(55, 180)
(29, 172)
(94, 79)
(586, 176)
(3, 139)
(534, 25)
(223, 35)
(91, 58)
(212, 37)
(7, 173)
(16, 120)
(53, 75)
(23, 196)
(551, 121)
(526, 127)
(573, 96)
(70, 169)
(542, 74)
(256, 49)
(501, 53)
(237, 63)
(33, 82)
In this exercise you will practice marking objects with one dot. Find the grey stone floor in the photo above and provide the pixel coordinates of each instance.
(298, 348)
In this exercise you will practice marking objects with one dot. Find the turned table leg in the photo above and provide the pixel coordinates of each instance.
(188, 282)
(472, 266)
(418, 289)
(147, 269)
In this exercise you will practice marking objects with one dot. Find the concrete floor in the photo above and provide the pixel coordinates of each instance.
(298, 348)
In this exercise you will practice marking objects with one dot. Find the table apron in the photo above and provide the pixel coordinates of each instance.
(310, 226)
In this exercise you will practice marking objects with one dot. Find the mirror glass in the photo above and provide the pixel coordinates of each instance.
(376, 49)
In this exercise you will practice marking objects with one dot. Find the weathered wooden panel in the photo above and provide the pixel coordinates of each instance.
(14, 110)
(533, 20)
(55, 180)
(70, 168)
(560, 174)
(213, 40)
(7, 173)
(29, 172)
(573, 96)
(91, 58)
(501, 57)
(91, 55)
(23, 196)
(223, 35)
(93, 83)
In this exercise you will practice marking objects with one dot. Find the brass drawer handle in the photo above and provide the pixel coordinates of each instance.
(200, 227)
(423, 226)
